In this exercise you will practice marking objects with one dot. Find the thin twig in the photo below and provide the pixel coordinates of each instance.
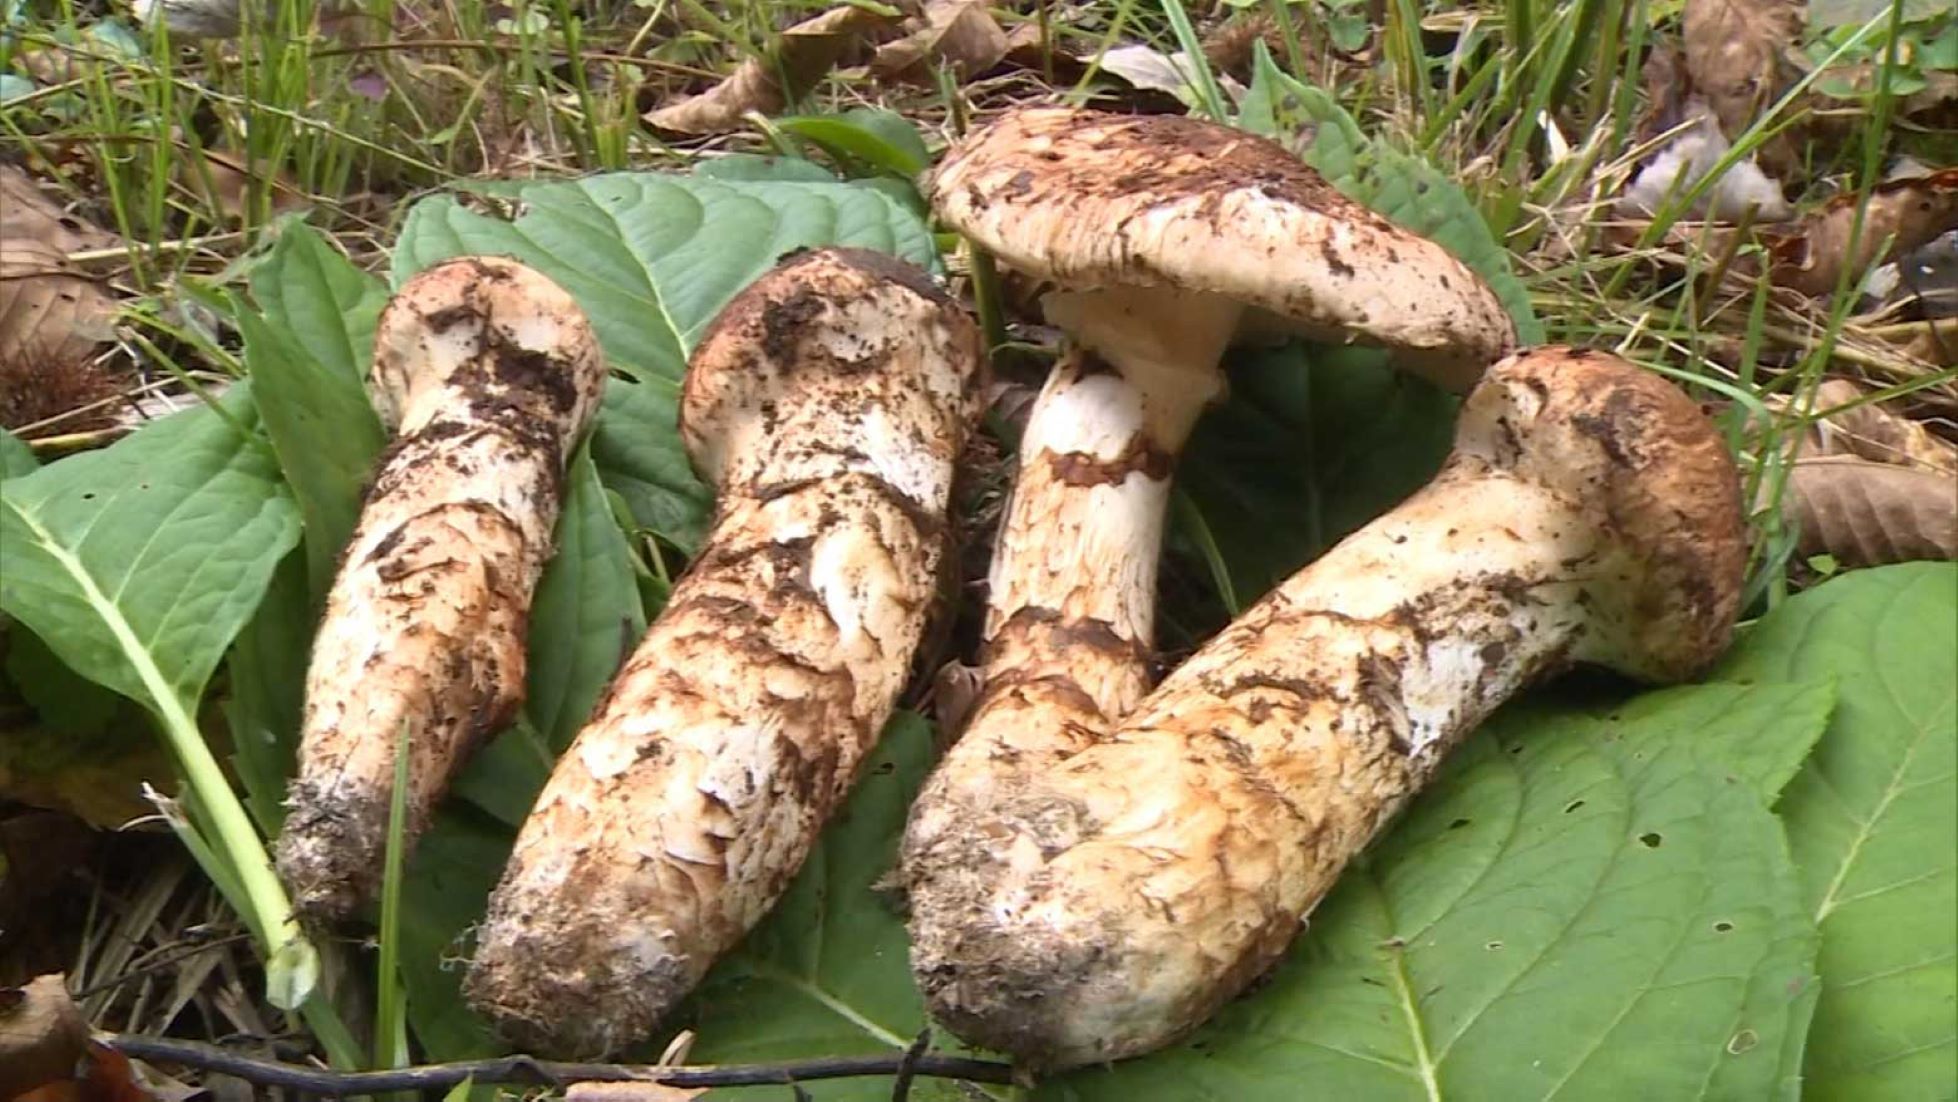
(526, 1070)
(907, 1068)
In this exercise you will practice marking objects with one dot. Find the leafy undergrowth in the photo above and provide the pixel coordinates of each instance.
(1742, 889)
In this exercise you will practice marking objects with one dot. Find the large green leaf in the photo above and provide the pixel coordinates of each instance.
(308, 355)
(1586, 904)
(1312, 445)
(138, 563)
(315, 295)
(448, 881)
(586, 616)
(652, 258)
(1873, 822)
(828, 973)
(16, 458)
(267, 681)
(323, 429)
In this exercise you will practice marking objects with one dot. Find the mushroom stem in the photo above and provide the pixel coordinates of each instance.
(491, 373)
(1103, 907)
(1070, 621)
(1166, 343)
(829, 402)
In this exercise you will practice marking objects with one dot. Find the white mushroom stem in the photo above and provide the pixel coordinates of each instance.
(491, 373)
(829, 401)
(1104, 906)
(1070, 619)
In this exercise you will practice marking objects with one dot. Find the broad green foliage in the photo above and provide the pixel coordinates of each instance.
(312, 293)
(267, 669)
(1583, 905)
(652, 258)
(1873, 822)
(308, 355)
(1312, 445)
(16, 458)
(325, 433)
(829, 971)
(586, 615)
(138, 563)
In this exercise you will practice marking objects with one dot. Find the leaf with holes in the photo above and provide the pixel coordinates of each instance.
(1873, 822)
(1587, 903)
(828, 973)
(651, 259)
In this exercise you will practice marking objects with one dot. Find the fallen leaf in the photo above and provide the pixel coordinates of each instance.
(1741, 55)
(1031, 47)
(802, 55)
(1902, 215)
(48, 307)
(42, 1035)
(630, 1092)
(1867, 513)
(194, 18)
(1870, 431)
(1151, 70)
(960, 34)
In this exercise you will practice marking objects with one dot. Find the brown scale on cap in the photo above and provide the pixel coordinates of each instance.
(828, 403)
(1094, 200)
(1109, 903)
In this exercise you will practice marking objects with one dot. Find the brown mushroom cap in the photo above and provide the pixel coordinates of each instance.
(1635, 446)
(1093, 200)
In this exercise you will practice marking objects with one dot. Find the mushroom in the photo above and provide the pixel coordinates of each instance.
(828, 402)
(490, 374)
(1166, 239)
(1588, 513)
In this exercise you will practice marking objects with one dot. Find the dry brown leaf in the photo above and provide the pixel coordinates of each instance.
(1866, 513)
(630, 1092)
(803, 54)
(961, 34)
(48, 307)
(1030, 47)
(1903, 214)
(42, 1035)
(1741, 56)
(1869, 431)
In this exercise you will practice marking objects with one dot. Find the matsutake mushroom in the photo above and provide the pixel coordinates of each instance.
(1589, 513)
(828, 402)
(490, 374)
(1165, 239)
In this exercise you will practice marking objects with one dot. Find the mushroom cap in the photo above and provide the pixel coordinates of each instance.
(1089, 199)
(1634, 449)
(490, 336)
(878, 356)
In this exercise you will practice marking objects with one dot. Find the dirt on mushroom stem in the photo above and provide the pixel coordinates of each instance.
(829, 401)
(1110, 903)
(490, 373)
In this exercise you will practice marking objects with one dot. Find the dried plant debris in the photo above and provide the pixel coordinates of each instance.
(1902, 214)
(42, 1035)
(49, 308)
(959, 34)
(1741, 55)
(1742, 192)
(802, 55)
(1869, 486)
